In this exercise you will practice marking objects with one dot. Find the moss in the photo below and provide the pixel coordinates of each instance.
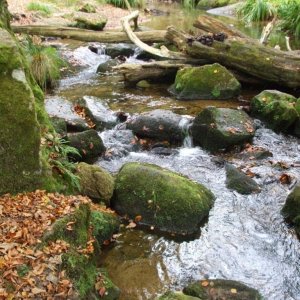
(82, 270)
(206, 82)
(90, 23)
(278, 109)
(291, 208)
(162, 198)
(112, 292)
(96, 182)
(222, 288)
(104, 225)
(221, 128)
(4, 15)
(75, 234)
(88, 8)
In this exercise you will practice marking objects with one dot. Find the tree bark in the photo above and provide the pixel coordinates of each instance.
(245, 55)
(162, 52)
(89, 35)
(164, 71)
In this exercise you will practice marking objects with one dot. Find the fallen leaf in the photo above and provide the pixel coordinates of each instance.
(205, 283)
(285, 178)
(131, 225)
(233, 291)
(137, 219)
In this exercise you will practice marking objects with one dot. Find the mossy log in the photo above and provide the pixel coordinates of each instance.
(84, 35)
(245, 55)
(153, 71)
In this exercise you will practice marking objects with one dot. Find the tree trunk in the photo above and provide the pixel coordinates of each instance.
(162, 52)
(245, 55)
(164, 71)
(89, 35)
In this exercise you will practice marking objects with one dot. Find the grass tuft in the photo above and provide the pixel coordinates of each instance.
(40, 7)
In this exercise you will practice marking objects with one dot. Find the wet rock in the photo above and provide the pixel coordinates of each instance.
(88, 143)
(143, 84)
(115, 50)
(291, 208)
(59, 125)
(163, 151)
(221, 289)
(88, 8)
(93, 48)
(159, 124)
(99, 113)
(165, 200)
(176, 296)
(60, 108)
(205, 82)
(252, 152)
(107, 67)
(277, 109)
(296, 130)
(95, 182)
(88, 21)
(239, 181)
(222, 128)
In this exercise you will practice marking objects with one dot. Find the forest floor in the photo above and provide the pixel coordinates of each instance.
(62, 12)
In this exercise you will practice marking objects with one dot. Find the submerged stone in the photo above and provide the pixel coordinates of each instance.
(176, 296)
(88, 143)
(205, 82)
(239, 181)
(221, 289)
(20, 166)
(95, 182)
(222, 128)
(166, 200)
(277, 109)
(159, 124)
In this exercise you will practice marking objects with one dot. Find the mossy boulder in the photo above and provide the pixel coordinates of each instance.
(166, 200)
(279, 110)
(221, 289)
(159, 124)
(121, 49)
(60, 126)
(95, 182)
(214, 3)
(87, 8)
(176, 296)
(222, 128)
(107, 66)
(88, 143)
(291, 208)
(19, 128)
(239, 181)
(88, 21)
(205, 82)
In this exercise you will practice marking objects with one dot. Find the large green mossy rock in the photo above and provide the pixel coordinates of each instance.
(205, 82)
(163, 199)
(291, 208)
(279, 110)
(19, 129)
(222, 128)
(88, 21)
(221, 289)
(95, 182)
(239, 181)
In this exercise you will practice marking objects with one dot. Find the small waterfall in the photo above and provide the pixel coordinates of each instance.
(185, 124)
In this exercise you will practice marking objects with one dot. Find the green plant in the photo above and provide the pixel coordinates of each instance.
(123, 4)
(45, 63)
(40, 7)
(257, 10)
(58, 159)
(289, 13)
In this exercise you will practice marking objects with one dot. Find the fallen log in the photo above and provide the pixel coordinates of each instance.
(245, 55)
(162, 52)
(150, 36)
(163, 71)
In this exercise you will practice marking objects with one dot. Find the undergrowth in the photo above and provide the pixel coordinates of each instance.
(45, 63)
(45, 9)
(287, 11)
(59, 151)
(123, 4)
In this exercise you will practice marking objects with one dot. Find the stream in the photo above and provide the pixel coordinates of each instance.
(245, 238)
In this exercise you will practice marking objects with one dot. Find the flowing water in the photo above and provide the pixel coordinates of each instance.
(245, 238)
